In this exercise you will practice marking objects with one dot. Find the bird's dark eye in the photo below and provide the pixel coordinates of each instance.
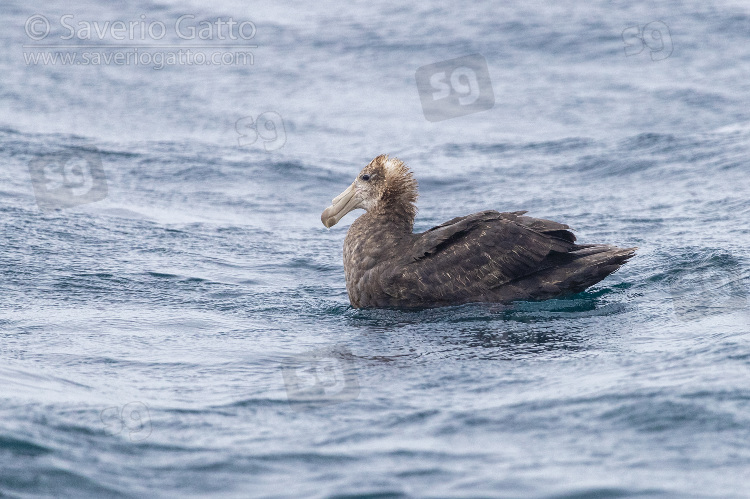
(365, 177)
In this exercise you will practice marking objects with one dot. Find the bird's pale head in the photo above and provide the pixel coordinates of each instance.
(384, 185)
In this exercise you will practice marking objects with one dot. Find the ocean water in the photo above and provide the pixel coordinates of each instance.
(173, 315)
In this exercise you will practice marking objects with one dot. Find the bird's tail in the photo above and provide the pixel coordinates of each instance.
(587, 264)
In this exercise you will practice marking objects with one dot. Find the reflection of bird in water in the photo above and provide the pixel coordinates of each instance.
(484, 257)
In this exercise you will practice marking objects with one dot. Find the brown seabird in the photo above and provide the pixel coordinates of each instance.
(485, 257)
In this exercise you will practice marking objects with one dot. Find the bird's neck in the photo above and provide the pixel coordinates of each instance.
(398, 217)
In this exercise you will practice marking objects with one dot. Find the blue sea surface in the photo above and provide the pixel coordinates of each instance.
(174, 320)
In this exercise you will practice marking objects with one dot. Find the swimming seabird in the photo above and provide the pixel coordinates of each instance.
(485, 257)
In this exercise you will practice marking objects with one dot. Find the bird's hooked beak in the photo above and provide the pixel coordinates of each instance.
(340, 206)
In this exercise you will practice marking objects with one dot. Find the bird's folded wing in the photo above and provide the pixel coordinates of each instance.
(471, 255)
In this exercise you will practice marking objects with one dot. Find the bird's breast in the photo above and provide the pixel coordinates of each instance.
(368, 253)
